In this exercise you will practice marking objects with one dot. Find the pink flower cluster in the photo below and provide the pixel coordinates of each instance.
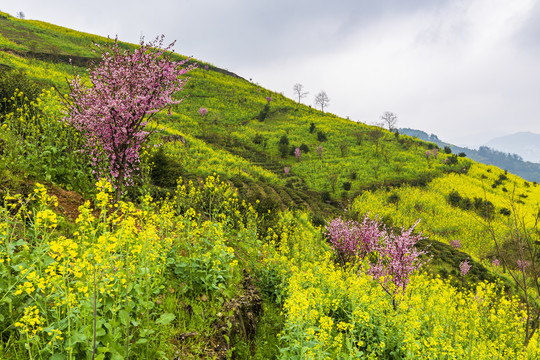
(455, 244)
(392, 257)
(522, 265)
(297, 153)
(203, 111)
(464, 267)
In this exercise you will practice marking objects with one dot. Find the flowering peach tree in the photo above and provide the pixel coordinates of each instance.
(127, 89)
(391, 258)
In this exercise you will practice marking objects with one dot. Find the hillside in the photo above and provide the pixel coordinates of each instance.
(509, 161)
(523, 143)
(223, 245)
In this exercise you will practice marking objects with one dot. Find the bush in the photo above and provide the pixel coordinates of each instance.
(10, 81)
(325, 196)
(394, 199)
(454, 198)
(447, 150)
(258, 139)
(264, 112)
(505, 212)
(452, 160)
(166, 169)
(321, 136)
(283, 149)
(318, 220)
(311, 128)
(304, 148)
(347, 185)
(284, 140)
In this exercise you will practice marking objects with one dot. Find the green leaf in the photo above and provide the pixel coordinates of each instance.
(165, 319)
(117, 356)
(58, 356)
(78, 338)
(124, 317)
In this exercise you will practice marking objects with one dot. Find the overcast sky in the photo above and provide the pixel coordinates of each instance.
(465, 70)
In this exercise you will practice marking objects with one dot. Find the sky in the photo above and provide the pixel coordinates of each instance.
(465, 70)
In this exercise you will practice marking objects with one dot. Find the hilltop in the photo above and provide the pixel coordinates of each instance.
(523, 143)
(219, 250)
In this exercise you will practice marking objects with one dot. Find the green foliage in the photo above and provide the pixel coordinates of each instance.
(13, 82)
(38, 142)
(321, 136)
(259, 139)
(264, 112)
(165, 170)
(283, 150)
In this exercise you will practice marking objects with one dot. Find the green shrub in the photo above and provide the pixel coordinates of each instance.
(283, 149)
(12, 81)
(264, 112)
(284, 140)
(165, 170)
(258, 139)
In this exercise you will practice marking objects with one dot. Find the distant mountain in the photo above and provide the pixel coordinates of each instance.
(526, 144)
(512, 162)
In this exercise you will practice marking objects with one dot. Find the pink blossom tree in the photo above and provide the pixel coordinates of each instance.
(391, 258)
(320, 151)
(297, 153)
(127, 89)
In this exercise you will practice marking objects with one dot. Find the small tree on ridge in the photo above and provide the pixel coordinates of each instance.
(390, 119)
(322, 100)
(299, 91)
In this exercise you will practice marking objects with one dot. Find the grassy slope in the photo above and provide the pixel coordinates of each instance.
(222, 142)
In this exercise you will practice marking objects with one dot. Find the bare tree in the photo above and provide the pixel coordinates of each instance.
(299, 91)
(322, 99)
(390, 120)
(20, 15)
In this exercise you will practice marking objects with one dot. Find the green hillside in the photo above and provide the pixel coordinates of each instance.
(219, 250)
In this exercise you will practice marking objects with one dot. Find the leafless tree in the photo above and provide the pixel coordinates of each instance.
(390, 120)
(20, 15)
(322, 100)
(299, 91)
